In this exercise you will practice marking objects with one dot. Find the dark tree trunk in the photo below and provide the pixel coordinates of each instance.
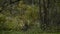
(44, 9)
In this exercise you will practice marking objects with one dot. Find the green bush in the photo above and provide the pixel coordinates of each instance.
(2, 20)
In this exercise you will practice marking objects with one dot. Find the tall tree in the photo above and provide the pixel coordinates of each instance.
(44, 9)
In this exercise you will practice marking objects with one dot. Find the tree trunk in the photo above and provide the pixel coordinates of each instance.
(44, 9)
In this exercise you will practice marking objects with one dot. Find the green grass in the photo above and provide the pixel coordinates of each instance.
(35, 30)
(26, 32)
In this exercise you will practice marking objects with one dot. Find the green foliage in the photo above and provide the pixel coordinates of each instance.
(32, 12)
(14, 16)
(2, 20)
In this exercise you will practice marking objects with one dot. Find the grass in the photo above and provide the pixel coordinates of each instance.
(34, 31)
(18, 32)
